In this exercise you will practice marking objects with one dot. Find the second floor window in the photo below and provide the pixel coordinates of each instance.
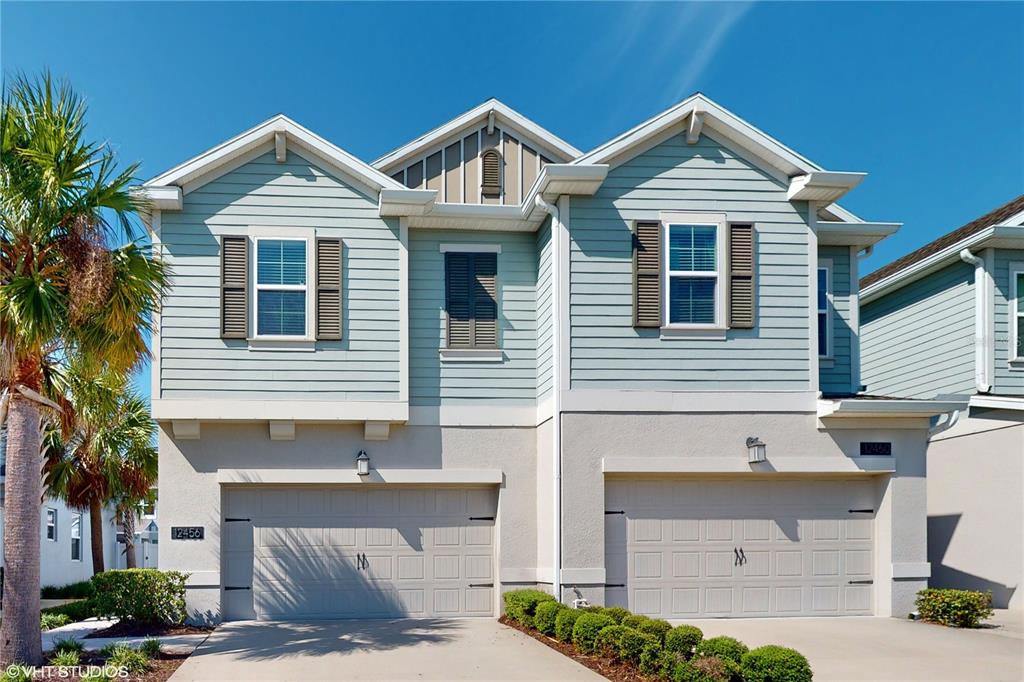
(693, 285)
(51, 524)
(1018, 313)
(471, 299)
(281, 287)
(76, 537)
(823, 317)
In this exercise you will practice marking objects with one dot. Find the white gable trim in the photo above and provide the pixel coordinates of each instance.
(505, 117)
(205, 166)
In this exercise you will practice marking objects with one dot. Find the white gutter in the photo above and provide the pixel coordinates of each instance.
(982, 380)
(556, 390)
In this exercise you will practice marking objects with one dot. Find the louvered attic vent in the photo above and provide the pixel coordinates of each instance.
(490, 183)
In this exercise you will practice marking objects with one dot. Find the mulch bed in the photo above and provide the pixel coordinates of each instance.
(160, 668)
(617, 671)
(147, 630)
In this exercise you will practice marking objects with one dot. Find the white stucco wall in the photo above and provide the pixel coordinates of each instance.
(976, 506)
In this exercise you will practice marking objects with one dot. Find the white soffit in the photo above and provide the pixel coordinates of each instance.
(885, 408)
(853, 234)
(822, 186)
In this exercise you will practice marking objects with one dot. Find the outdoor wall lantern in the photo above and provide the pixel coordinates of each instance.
(756, 449)
(363, 463)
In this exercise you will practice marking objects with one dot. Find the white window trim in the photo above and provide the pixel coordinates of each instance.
(720, 222)
(470, 248)
(48, 524)
(828, 266)
(1016, 360)
(76, 516)
(259, 341)
(472, 355)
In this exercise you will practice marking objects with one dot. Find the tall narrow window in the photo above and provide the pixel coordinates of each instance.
(823, 316)
(76, 537)
(694, 286)
(1018, 314)
(281, 287)
(51, 524)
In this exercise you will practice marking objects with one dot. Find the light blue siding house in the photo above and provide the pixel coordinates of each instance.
(948, 321)
(488, 360)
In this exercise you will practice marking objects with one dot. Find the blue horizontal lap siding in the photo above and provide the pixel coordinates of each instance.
(918, 341)
(607, 352)
(433, 382)
(1009, 380)
(196, 363)
(545, 308)
(836, 378)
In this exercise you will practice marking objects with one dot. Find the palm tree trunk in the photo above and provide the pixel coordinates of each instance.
(128, 529)
(96, 535)
(20, 632)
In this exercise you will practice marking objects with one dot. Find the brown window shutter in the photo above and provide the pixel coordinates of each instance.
(490, 177)
(485, 297)
(457, 305)
(234, 287)
(647, 274)
(328, 289)
(741, 276)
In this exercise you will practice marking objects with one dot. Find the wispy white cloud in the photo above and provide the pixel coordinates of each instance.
(715, 21)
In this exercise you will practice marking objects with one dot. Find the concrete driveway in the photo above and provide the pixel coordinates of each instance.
(888, 648)
(467, 649)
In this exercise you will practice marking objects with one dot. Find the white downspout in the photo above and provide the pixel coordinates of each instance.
(556, 391)
(982, 380)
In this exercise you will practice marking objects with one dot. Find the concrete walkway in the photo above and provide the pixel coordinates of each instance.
(465, 649)
(888, 648)
(82, 629)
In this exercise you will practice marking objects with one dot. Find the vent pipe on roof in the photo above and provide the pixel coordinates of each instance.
(982, 351)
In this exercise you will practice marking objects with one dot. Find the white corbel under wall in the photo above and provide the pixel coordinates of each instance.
(278, 429)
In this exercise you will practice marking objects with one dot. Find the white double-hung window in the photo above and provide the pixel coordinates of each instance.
(824, 291)
(51, 524)
(1017, 312)
(694, 274)
(282, 291)
(76, 537)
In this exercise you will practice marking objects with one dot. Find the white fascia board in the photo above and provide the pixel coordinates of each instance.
(822, 186)
(376, 476)
(854, 408)
(211, 410)
(715, 117)
(563, 179)
(406, 202)
(1003, 236)
(160, 198)
(506, 116)
(476, 217)
(996, 402)
(223, 153)
(854, 234)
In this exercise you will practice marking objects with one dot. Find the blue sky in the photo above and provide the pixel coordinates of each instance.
(927, 98)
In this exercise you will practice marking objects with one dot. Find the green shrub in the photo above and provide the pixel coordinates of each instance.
(80, 590)
(65, 658)
(62, 645)
(656, 661)
(607, 643)
(683, 639)
(123, 656)
(16, 673)
(141, 594)
(958, 608)
(657, 627)
(76, 610)
(722, 647)
(616, 613)
(634, 621)
(150, 647)
(586, 629)
(545, 614)
(703, 669)
(565, 621)
(49, 621)
(632, 644)
(775, 664)
(520, 604)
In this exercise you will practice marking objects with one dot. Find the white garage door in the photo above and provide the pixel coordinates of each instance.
(358, 553)
(740, 548)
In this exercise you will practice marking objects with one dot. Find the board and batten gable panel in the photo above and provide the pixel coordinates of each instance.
(1009, 379)
(918, 341)
(436, 382)
(545, 311)
(835, 372)
(196, 363)
(607, 352)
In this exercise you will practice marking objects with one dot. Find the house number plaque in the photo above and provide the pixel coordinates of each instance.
(187, 532)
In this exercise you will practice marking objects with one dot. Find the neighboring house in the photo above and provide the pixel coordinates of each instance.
(146, 536)
(948, 321)
(553, 369)
(65, 554)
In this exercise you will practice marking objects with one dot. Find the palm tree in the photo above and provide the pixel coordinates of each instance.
(109, 455)
(63, 292)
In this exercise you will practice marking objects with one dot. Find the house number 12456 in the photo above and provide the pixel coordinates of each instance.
(186, 532)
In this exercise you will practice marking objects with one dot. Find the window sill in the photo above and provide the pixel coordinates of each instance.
(708, 333)
(1016, 364)
(300, 344)
(472, 355)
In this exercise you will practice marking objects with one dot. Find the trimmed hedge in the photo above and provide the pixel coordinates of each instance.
(633, 643)
(565, 621)
(775, 664)
(957, 608)
(616, 613)
(722, 647)
(79, 590)
(634, 621)
(586, 629)
(520, 605)
(143, 595)
(704, 669)
(608, 638)
(683, 640)
(654, 660)
(545, 614)
(657, 627)
(76, 610)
